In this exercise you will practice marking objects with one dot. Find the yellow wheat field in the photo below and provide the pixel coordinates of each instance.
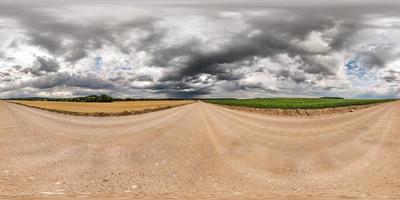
(114, 107)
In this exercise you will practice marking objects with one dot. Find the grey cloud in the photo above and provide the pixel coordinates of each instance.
(42, 66)
(84, 38)
(341, 39)
(378, 57)
(70, 80)
(5, 77)
(313, 65)
(276, 37)
(4, 74)
(297, 76)
(185, 62)
(17, 67)
(237, 86)
(144, 78)
(392, 77)
(178, 89)
(61, 80)
(187, 93)
(292, 24)
(187, 87)
(4, 57)
(48, 32)
(164, 56)
(240, 48)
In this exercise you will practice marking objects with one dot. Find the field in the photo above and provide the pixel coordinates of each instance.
(114, 107)
(295, 103)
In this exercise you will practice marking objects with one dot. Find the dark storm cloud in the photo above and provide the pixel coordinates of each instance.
(276, 37)
(175, 89)
(210, 62)
(188, 87)
(178, 93)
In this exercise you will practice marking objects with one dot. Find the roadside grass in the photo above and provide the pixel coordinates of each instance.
(296, 103)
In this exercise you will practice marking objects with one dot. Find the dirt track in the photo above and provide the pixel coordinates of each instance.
(200, 150)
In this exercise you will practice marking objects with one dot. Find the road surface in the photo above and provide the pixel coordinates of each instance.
(200, 150)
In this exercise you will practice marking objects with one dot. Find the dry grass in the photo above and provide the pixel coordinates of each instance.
(112, 108)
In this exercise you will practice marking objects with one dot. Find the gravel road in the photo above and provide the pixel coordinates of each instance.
(200, 151)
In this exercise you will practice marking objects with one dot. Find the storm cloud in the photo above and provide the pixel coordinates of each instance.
(199, 49)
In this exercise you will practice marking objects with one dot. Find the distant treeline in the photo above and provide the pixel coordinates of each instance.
(205, 99)
(331, 98)
(90, 98)
(151, 99)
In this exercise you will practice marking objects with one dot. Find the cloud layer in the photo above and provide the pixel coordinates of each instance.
(192, 49)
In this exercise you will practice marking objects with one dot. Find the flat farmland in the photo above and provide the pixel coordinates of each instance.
(296, 103)
(114, 107)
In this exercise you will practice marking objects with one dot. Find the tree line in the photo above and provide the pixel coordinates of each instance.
(90, 98)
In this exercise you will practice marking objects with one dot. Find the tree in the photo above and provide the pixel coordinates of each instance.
(104, 98)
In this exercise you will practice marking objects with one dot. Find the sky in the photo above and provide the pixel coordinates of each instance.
(204, 49)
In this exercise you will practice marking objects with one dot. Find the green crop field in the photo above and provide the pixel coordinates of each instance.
(295, 103)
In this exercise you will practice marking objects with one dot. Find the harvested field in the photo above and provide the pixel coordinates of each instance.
(104, 109)
(200, 150)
